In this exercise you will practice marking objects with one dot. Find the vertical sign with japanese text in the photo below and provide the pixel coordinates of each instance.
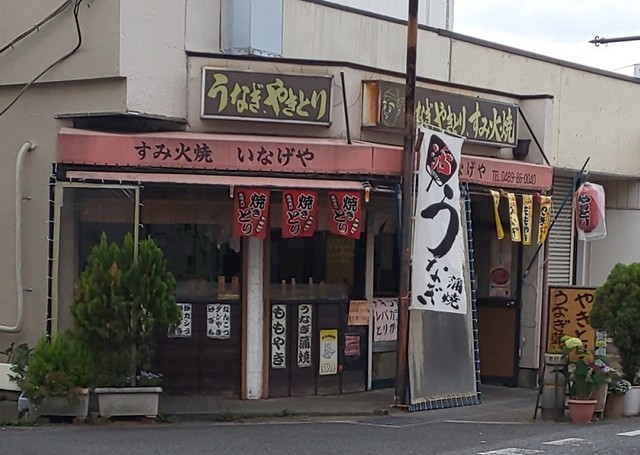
(219, 321)
(183, 330)
(299, 209)
(305, 321)
(278, 337)
(250, 212)
(569, 309)
(385, 319)
(438, 248)
(345, 213)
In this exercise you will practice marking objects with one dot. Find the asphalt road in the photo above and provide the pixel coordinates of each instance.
(371, 436)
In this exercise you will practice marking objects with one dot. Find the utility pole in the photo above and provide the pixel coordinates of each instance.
(408, 170)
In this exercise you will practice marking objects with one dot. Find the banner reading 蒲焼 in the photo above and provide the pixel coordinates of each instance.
(438, 248)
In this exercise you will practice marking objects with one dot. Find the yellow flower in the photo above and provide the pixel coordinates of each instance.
(573, 342)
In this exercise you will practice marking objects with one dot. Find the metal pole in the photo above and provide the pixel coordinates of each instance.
(602, 40)
(407, 207)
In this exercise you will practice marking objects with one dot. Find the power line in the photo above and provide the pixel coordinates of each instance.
(37, 26)
(76, 9)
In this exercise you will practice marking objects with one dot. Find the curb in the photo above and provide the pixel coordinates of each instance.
(229, 417)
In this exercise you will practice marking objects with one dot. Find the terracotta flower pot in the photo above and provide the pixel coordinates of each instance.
(613, 406)
(581, 411)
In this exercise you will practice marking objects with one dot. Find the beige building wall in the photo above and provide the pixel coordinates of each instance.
(152, 56)
(99, 55)
(33, 119)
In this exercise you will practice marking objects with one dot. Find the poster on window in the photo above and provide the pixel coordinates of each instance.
(278, 337)
(305, 317)
(183, 330)
(438, 247)
(345, 213)
(219, 321)
(385, 319)
(299, 209)
(328, 352)
(250, 212)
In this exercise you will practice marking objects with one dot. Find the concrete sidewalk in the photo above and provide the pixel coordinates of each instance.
(498, 404)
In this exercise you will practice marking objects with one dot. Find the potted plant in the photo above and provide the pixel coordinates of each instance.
(585, 372)
(16, 362)
(57, 378)
(617, 389)
(616, 310)
(121, 302)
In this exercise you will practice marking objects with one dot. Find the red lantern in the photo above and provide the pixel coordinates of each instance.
(586, 208)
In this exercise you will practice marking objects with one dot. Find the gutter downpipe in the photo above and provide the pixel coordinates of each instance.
(26, 147)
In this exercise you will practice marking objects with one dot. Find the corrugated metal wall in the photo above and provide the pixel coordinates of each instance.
(561, 244)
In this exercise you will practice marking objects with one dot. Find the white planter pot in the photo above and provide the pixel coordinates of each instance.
(62, 407)
(128, 401)
(5, 382)
(631, 406)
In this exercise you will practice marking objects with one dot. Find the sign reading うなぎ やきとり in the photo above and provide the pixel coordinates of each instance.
(473, 118)
(248, 95)
(569, 309)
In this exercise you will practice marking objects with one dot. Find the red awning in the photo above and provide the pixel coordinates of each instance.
(219, 180)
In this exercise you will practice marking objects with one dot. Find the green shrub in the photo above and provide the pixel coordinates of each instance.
(616, 310)
(120, 304)
(17, 356)
(58, 368)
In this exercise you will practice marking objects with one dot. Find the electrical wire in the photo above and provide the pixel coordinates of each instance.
(36, 27)
(76, 10)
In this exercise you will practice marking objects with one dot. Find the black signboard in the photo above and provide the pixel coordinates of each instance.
(473, 118)
(247, 95)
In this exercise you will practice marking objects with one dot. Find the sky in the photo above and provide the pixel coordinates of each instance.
(557, 28)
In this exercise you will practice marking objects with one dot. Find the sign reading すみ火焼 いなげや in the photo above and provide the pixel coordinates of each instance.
(248, 95)
(569, 309)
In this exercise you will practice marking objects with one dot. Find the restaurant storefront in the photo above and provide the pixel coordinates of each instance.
(285, 249)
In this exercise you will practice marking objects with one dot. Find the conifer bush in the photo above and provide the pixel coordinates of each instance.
(120, 304)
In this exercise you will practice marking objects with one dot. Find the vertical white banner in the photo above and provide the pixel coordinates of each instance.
(438, 251)
(385, 319)
(305, 317)
(219, 321)
(279, 337)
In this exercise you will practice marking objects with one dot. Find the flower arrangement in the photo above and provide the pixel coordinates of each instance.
(619, 386)
(585, 371)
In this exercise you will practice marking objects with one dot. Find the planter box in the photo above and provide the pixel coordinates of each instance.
(128, 401)
(5, 382)
(62, 407)
(631, 404)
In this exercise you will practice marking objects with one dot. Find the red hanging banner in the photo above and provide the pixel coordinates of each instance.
(250, 212)
(299, 213)
(345, 217)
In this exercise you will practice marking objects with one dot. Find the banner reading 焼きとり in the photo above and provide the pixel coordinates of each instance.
(438, 247)
(250, 212)
(299, 209)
